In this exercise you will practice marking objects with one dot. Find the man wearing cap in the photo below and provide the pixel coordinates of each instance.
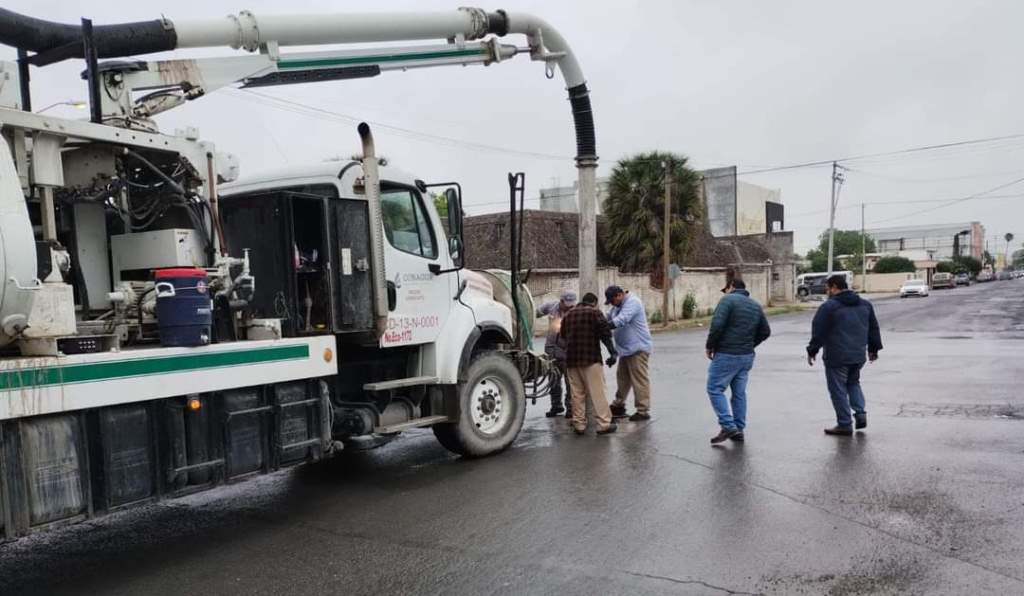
(628, 320)
(554, 346)
(739, 326)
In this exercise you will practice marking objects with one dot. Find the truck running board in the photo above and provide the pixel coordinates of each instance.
(417, 423)
(400, 383)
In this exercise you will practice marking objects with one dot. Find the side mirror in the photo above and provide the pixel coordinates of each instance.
(453, 197)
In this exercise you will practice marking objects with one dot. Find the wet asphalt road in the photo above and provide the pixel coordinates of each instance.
(929, 500)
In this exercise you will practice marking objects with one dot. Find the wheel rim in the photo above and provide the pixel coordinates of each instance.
(489, 405)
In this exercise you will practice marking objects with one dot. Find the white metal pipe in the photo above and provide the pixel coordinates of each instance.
(540, 32)
(248, 31)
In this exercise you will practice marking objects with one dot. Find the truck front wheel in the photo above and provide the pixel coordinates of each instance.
(492, 407)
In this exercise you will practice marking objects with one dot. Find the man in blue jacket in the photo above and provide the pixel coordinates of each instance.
(847, 328)
(739, 326)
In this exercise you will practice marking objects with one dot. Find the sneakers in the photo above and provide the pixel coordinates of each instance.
(738, 437)
(841, 431)
(640, 417)
(607, 431)
(554, 411)
(724, 435)
(618, 411)
(862, 421)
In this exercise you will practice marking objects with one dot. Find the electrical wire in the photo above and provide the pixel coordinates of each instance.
(309, 110)
(952, 202)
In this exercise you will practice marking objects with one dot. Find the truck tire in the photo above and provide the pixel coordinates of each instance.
(492, 407)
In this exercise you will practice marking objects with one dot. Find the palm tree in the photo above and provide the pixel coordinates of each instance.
(635, 210)
(1009, 239)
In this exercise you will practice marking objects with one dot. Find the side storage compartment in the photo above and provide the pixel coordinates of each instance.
(46, 469)
(69, 467)
(290, 257)
(125, 456)
(351, 246)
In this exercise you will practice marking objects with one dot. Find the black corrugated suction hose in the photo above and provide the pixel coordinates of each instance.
(112, 41)
(583, 118)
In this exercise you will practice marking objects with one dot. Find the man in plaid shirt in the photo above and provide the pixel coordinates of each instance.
(584, 329)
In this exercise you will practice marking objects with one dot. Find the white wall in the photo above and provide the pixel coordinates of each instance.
(704, 284)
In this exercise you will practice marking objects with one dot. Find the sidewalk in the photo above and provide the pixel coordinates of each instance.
(697, 322)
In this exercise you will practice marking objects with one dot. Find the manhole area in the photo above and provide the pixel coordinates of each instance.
(1008, 411)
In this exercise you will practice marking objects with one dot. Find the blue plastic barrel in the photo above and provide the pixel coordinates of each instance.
(183, 307)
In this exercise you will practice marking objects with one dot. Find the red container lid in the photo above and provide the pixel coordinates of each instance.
(180, 272)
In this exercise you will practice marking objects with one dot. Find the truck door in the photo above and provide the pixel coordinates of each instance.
(419, 300)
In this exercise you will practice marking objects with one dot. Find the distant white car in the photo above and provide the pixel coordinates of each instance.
(914, 287)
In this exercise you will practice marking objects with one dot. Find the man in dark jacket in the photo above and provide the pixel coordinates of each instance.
(846, 327)
(739, 325)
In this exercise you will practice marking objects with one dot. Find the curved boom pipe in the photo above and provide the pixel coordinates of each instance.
(247, 31)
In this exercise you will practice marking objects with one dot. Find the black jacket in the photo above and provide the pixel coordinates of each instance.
(739, 325)
(846, 327)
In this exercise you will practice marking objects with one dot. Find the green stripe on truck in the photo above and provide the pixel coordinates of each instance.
(11, 380)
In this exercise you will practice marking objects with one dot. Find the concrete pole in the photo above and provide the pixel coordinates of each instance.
(863, 253)
(666, 245)
(832, 219)
(588, 226)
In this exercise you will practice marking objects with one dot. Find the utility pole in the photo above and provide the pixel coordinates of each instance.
(666, 246)
(837, 181)
(863, 253)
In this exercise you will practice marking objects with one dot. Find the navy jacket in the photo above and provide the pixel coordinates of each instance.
(846, 327)
(739, 325)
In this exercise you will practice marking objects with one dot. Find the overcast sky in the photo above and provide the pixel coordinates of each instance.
(750, 83)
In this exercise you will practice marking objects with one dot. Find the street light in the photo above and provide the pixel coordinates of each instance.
(77, 104)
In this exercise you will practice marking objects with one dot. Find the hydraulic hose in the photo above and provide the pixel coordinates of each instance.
(112, 41)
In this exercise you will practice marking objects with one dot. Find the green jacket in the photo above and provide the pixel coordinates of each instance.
(739, 325)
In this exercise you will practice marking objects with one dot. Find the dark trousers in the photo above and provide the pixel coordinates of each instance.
(844, 389)
(556, 387)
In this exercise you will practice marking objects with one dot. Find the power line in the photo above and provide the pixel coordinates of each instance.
(309, 110)
(297, 107)
(952, 202)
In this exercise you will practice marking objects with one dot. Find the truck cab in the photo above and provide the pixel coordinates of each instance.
(309, 235)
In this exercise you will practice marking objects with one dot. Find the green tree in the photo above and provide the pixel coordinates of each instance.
(960, 265)
(441, 206)
(846, 242)
(1018, 258)
(988, 260)
(894, 265)
(967, 265)
(635, 207)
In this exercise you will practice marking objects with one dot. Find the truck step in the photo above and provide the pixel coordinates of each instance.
(399, 383)
(417, 423)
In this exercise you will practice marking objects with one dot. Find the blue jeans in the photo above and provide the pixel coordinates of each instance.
(844, 389)
(730, 371)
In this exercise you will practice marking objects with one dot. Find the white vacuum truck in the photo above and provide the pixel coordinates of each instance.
(166, 327)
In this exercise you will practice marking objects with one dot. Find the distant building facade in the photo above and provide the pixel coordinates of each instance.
(737, 208)
(565, 199)
(935, 242)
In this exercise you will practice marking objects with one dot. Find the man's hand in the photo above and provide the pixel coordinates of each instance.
(710, 354)
(612, 360)
(872, 356)
(810, 360)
